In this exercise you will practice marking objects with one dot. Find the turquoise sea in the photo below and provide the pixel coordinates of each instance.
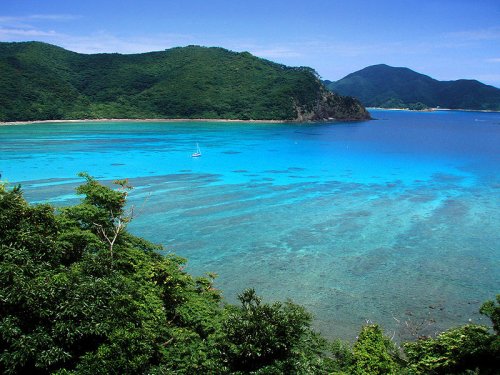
(396, 219)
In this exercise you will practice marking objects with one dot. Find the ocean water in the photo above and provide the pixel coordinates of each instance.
(393, 220)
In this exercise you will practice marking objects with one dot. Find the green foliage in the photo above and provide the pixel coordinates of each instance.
(67, 304)
(43, 82)
(271, 338)
(74, 302)
(454, 351)
(388, 87)
(417, 106)
(70, 305)
(373, 353)
(492, 310)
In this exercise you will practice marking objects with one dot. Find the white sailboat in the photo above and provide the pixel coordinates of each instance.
(196, 154)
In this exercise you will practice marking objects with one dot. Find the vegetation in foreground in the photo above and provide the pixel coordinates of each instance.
(81, 295)
(44, 82)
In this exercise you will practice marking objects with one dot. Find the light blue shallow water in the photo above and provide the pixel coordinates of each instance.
(397, 218)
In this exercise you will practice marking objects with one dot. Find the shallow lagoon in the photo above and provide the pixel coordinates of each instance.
(397, 218)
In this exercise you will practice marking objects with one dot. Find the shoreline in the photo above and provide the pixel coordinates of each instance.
(30, 122)
(433, 110)
(167, 120)
(220, 120)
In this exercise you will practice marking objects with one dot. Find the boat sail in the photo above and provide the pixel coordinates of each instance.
(196, 154)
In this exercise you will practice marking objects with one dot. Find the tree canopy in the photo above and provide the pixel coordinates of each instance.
(81, 295)
(390, 87)
(44, 82)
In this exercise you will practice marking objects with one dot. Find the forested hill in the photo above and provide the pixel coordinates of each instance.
(390, 87)
(43, 82)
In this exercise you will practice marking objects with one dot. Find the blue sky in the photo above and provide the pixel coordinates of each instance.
(444, 39)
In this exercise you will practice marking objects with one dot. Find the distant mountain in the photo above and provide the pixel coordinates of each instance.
(390, 87)
(40, 81)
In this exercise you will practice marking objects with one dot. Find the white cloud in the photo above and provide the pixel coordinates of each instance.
(15, 28)
(274, 52)
(53, 17)
(101, 42)
(6, 20)
(30, 27)
(12, 33)
(491, 33)
(290, 52)
(318, 47)
(108, 43)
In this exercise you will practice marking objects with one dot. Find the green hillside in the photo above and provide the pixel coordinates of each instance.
(43, 82)
(390, 87)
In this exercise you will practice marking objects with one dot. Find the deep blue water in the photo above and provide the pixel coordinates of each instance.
(397, 218)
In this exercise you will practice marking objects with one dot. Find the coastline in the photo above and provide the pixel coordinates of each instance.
(9, 123)
(433, 109)
(167, 120)
(220, 120)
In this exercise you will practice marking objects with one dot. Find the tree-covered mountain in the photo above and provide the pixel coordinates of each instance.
(390, 87)
(43, 82)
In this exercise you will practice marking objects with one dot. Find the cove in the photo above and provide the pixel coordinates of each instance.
(396, 218)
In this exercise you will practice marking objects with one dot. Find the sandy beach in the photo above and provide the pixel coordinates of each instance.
(7, 123)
